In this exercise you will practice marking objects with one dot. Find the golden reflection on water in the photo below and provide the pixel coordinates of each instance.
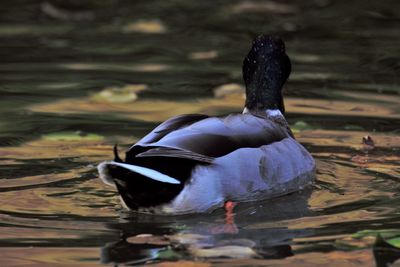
(159, 110)
(42, 199)
(47, 256)
(92, 198)
(331, 259)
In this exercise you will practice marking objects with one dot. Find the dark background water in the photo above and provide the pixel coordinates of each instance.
(58, 57)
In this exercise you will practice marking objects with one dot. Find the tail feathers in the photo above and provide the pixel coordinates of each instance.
(147, 172)
(140, 187)
(116, 156)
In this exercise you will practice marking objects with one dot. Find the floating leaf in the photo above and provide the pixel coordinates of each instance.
(228, 89)
(301, 126)
(63, 14)
(385, 233)
(72, 136)
(203, 55)
(351, 127)
(394, 242)
(367, 238)
(264, 7)
(145, 26)
(125, 94)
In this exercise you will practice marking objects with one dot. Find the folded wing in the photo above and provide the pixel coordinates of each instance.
(202, 138)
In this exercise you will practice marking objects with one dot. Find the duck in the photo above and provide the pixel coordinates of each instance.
(196, 163)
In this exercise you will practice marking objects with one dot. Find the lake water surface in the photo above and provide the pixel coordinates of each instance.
(76, 77)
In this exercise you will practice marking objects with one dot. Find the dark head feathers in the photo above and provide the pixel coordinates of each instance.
(265, 69)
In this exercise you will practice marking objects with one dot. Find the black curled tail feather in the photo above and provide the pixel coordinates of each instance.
(116, 156)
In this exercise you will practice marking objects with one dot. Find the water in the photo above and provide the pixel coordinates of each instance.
(60, 116)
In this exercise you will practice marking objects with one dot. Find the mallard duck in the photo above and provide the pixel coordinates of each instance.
(195, 163)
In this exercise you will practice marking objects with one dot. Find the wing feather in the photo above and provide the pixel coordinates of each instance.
(169, 126)
(175, 153)
(202, 138)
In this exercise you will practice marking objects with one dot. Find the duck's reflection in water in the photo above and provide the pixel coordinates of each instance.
(250, 230)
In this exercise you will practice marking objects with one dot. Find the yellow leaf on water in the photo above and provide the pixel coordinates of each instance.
(124, 94)
(263, 7)
(203, 55)
(229, 89)
(145, 26)
(72, 136)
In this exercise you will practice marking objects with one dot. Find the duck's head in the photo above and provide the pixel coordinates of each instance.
(265, 69)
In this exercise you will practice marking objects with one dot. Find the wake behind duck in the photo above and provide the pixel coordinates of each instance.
(195, 163)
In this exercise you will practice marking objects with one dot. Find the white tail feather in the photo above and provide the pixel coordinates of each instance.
(150, 173)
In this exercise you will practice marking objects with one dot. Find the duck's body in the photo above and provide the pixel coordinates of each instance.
(194, 163)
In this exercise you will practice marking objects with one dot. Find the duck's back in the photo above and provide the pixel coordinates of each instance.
(209, 137)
